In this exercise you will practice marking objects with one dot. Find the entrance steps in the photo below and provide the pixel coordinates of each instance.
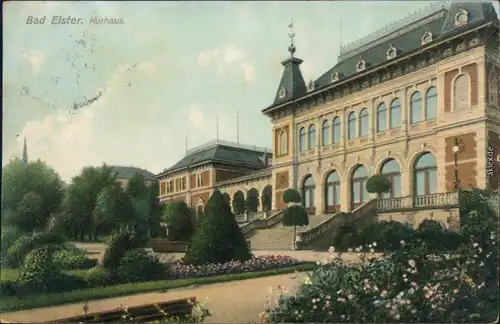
(280, 237)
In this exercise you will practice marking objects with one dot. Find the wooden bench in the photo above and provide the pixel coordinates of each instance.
(137, 314)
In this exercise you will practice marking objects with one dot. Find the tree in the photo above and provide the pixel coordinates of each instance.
(218, 238)
(30, 194)
(378, 184)
(179, 218)
(295, 215)
(81, 199)
(291, 195)
(156, 209)
(228, 198)
(113, 206)
(252, 202)
(136, 187)
(238, 203)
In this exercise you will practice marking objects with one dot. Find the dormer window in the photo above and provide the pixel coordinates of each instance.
(282, 93)
(361, 65)
(334, 77)
(392, 52)
(311, 86)
(462, 17)
(426, 38)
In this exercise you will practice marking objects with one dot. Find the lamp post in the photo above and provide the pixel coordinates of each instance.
(456, 150)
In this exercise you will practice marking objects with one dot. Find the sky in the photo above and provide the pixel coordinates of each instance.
(127, 94)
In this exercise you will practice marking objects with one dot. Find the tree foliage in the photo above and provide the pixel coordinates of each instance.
(81, 200)
(378, 183)
(295, 216)
(179, 218)
(30, 194)
(218, 238)
(113, 206)
(291, 195)
(252, 202)
(238, 203)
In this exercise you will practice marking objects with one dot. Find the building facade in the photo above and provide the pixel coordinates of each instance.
(419, 103)
(124, 173)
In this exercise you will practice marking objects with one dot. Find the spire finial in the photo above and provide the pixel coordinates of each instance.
(291, 35)
(25, 152)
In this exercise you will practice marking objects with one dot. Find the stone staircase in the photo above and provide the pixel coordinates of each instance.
(280, 237)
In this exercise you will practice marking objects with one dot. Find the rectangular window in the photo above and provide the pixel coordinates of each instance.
(162, 188)
(396, 186)
(365, 191)
(337, 194)
(432, 181)
(329, 195)
(420, 179)
(307, 199)
(356, 192)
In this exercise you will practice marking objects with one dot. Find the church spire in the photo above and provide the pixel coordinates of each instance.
(25, 152)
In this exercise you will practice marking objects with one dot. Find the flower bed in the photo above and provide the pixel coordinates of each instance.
(179, 269)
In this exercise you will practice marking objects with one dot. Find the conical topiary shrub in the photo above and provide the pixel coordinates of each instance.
(218, 238)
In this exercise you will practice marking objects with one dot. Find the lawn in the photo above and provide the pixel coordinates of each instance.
(11, 274)
(10, 304)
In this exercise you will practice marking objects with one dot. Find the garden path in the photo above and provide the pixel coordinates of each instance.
(231, 302)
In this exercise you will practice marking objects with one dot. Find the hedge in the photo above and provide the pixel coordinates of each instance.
(10, 304)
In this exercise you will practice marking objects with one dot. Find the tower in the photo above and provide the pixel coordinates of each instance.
(25, 153)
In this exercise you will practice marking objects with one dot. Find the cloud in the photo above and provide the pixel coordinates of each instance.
(147, 67)
(249, 72)
(35, 58)
(195, 118)
(227, 57)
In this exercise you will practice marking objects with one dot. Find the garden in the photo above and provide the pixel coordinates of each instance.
(422, 277)
(41, 267)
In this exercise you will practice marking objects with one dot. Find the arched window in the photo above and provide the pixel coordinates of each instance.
(359, 194)
(312, 137)
(336, 130)
(431, 104)
(416, 108)
(325, 133)
(390, 169)
(363, 122)
(425, 174)
(351, 126)
(461, 92)
(395, 114)
(381, 117)
(308, 189)
(332, 192)
(283, 143)
(302, 139)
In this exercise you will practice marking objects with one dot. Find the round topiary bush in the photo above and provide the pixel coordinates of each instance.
(39, 271)
(378, 183)
(18, 251)
(218, 238)
(139, 265)
(291, 195)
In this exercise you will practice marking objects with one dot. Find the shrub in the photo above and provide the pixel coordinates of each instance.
(430, 224)
(138, 265)
(18, 251)
(119, 243)
(179, 218)
(71, 260)
(181, 269)
(238, 202)
(39, 271)
(291, 195)
(9, 235)
(410, 285)
(218, 238)
(378, 183)
(345, 237)
(295, 216)
(387, 235)
(98, 277)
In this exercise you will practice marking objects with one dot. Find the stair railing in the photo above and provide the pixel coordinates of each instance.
(338, 218)
(275, 217)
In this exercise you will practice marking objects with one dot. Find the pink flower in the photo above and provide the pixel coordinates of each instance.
(383, 293)
(331, 249)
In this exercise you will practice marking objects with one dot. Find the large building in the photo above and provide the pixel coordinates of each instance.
(124, 173)
(418, 102)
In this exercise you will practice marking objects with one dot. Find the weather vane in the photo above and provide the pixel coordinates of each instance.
(291, 35)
